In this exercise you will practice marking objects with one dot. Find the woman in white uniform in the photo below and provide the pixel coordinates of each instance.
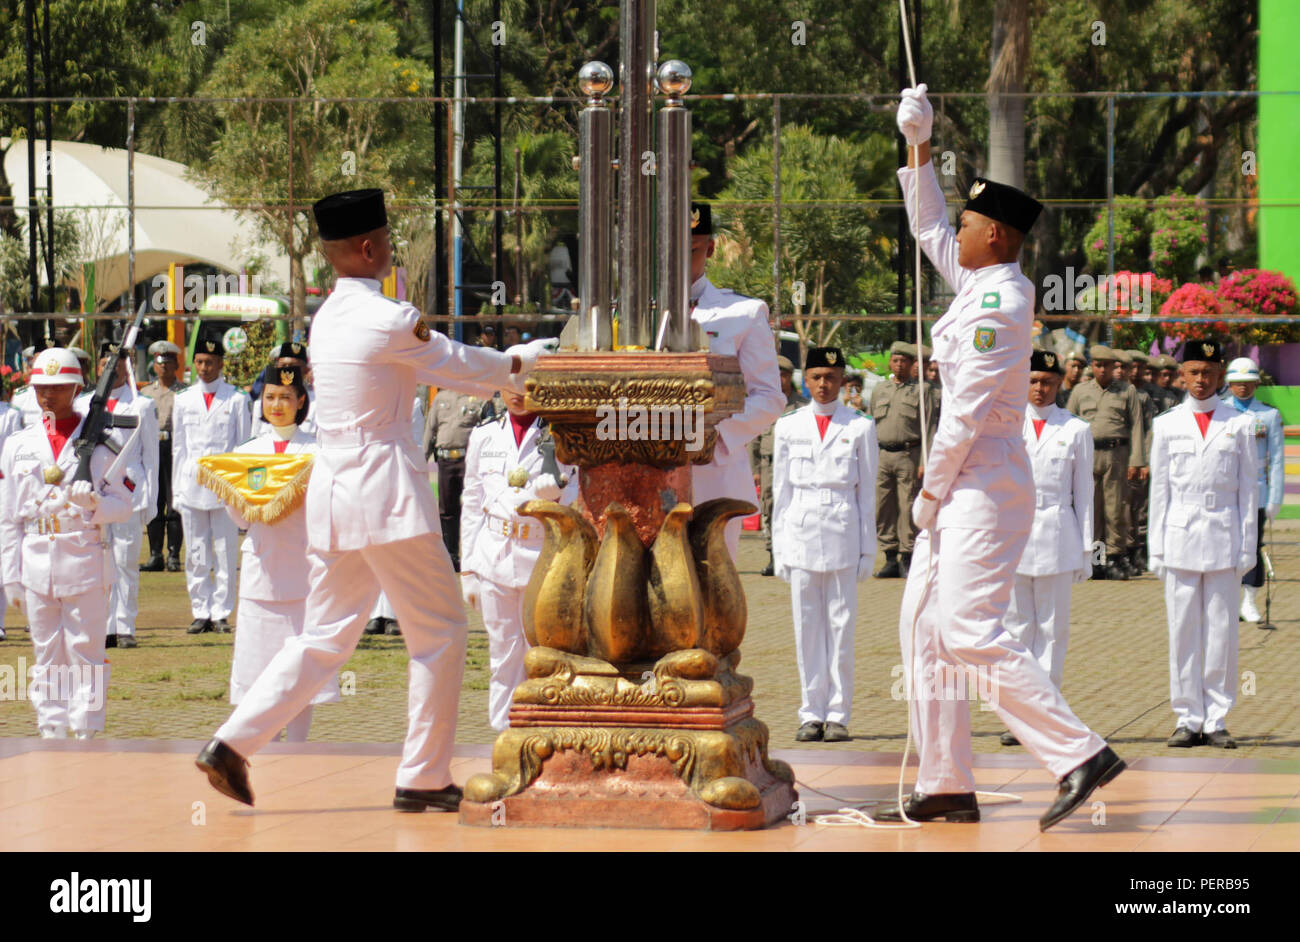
(274, 567)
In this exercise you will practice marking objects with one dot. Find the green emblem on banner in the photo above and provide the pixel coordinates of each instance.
(257, 478)
(991, 299)
(985, 338)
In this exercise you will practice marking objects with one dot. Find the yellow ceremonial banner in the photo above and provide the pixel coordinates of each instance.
(262, 488)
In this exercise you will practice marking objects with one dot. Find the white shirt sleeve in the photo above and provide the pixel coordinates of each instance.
(936, 234)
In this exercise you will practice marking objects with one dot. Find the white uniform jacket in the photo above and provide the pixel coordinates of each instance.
(823, 490)
(11, 420)
(141, 465)
(198, 431)
(48, 545)
(1061, 537)
(369, 484)
(977, 467)
(29, 412)
(738, 326)
(1203, 491)
(274, 562)
(496, 543)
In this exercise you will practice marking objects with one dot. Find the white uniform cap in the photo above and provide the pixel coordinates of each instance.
(56, 366)
(1243, 370)
(163, 347)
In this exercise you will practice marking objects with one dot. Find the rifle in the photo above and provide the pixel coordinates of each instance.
(95, 431)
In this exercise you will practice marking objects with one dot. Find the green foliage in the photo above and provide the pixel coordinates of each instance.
(243, 367)
(1178, 235)
(1132, 237)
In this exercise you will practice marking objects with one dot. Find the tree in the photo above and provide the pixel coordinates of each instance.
(320, 50)
(833, 257)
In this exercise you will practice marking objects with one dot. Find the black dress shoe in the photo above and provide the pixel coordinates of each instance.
(374, 627)
(417, 799)
(155, 564)
(227, 771)
(809, 732)
(1009, 740)
(957, 807)
(769, 569)
(890, 570)
(173, 564)
(1098, 573)
(904, 564)
(1184, 738)
(110, 641)
(1076, 787)
(1222, 738)
(835, 732)
(221, 625)
(128, 641)
(391, 627)
(198, 626)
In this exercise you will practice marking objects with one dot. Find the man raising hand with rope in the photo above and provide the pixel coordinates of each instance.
(976, 506)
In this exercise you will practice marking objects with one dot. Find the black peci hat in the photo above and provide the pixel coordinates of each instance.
(823, 356)
(1202, 351)
(1045, 361)
(210, 343)
(701, 219)
(356, 212)
(291, 349)
(107, 348)
(1003, 203)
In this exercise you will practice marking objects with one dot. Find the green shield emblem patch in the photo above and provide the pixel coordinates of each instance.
(991, 299)
(985, 338)
(256, 478)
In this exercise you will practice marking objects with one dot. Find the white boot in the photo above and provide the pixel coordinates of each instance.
(1248, 610)
(54, 732)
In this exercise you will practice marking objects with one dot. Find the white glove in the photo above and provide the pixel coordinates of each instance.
(531, 351)
(469, 589)
(864, 567)
(82, 495)
(1085, 573)
(924, 510)
(783, 572)
(546, 487)
(14, 593)
(1156, 566)
(915, 116)
(1270, 510)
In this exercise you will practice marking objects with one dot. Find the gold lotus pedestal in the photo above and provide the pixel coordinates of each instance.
(633, 714)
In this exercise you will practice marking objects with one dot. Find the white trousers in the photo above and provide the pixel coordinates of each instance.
(1038, 616)
(69, 685)
(211, 545)
(417, 576)
(1202, 610)
(124, 603)
(825, 614)
(503, 617)
(958, 588)
(383, 608)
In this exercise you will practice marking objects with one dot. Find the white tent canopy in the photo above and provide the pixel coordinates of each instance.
(175, 220)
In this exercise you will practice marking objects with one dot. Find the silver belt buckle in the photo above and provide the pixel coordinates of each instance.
(824, 496)
(1042, 502)
(1211, 501)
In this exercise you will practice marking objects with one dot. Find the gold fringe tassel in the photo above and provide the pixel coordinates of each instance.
(288, 499)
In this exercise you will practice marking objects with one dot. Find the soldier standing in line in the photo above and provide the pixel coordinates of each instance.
(1203, 519)
(1266, 431)
(896, 408)
(1111, 407)
(1075, 363)
(1139, 490)
(760, 456)
(452, 417)
(167, 521)
(823, 466)
(1164, 378)
(1059, 551)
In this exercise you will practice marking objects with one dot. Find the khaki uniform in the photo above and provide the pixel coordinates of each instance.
(1119, 443)
(167, 521)
(452, 417)
(896, 409)
(760, 456)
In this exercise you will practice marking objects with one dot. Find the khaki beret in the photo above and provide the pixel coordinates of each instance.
(902, 347)
(1138, 356)
(1123, 356)
(1101, 352)
(1077, 354)
(925, 351)
(784, 365)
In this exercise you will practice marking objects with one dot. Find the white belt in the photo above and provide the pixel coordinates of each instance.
(821, 495)
(1044, 501)
(1211, 500)
(52, 524)
(357, 436)
(514, 529)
